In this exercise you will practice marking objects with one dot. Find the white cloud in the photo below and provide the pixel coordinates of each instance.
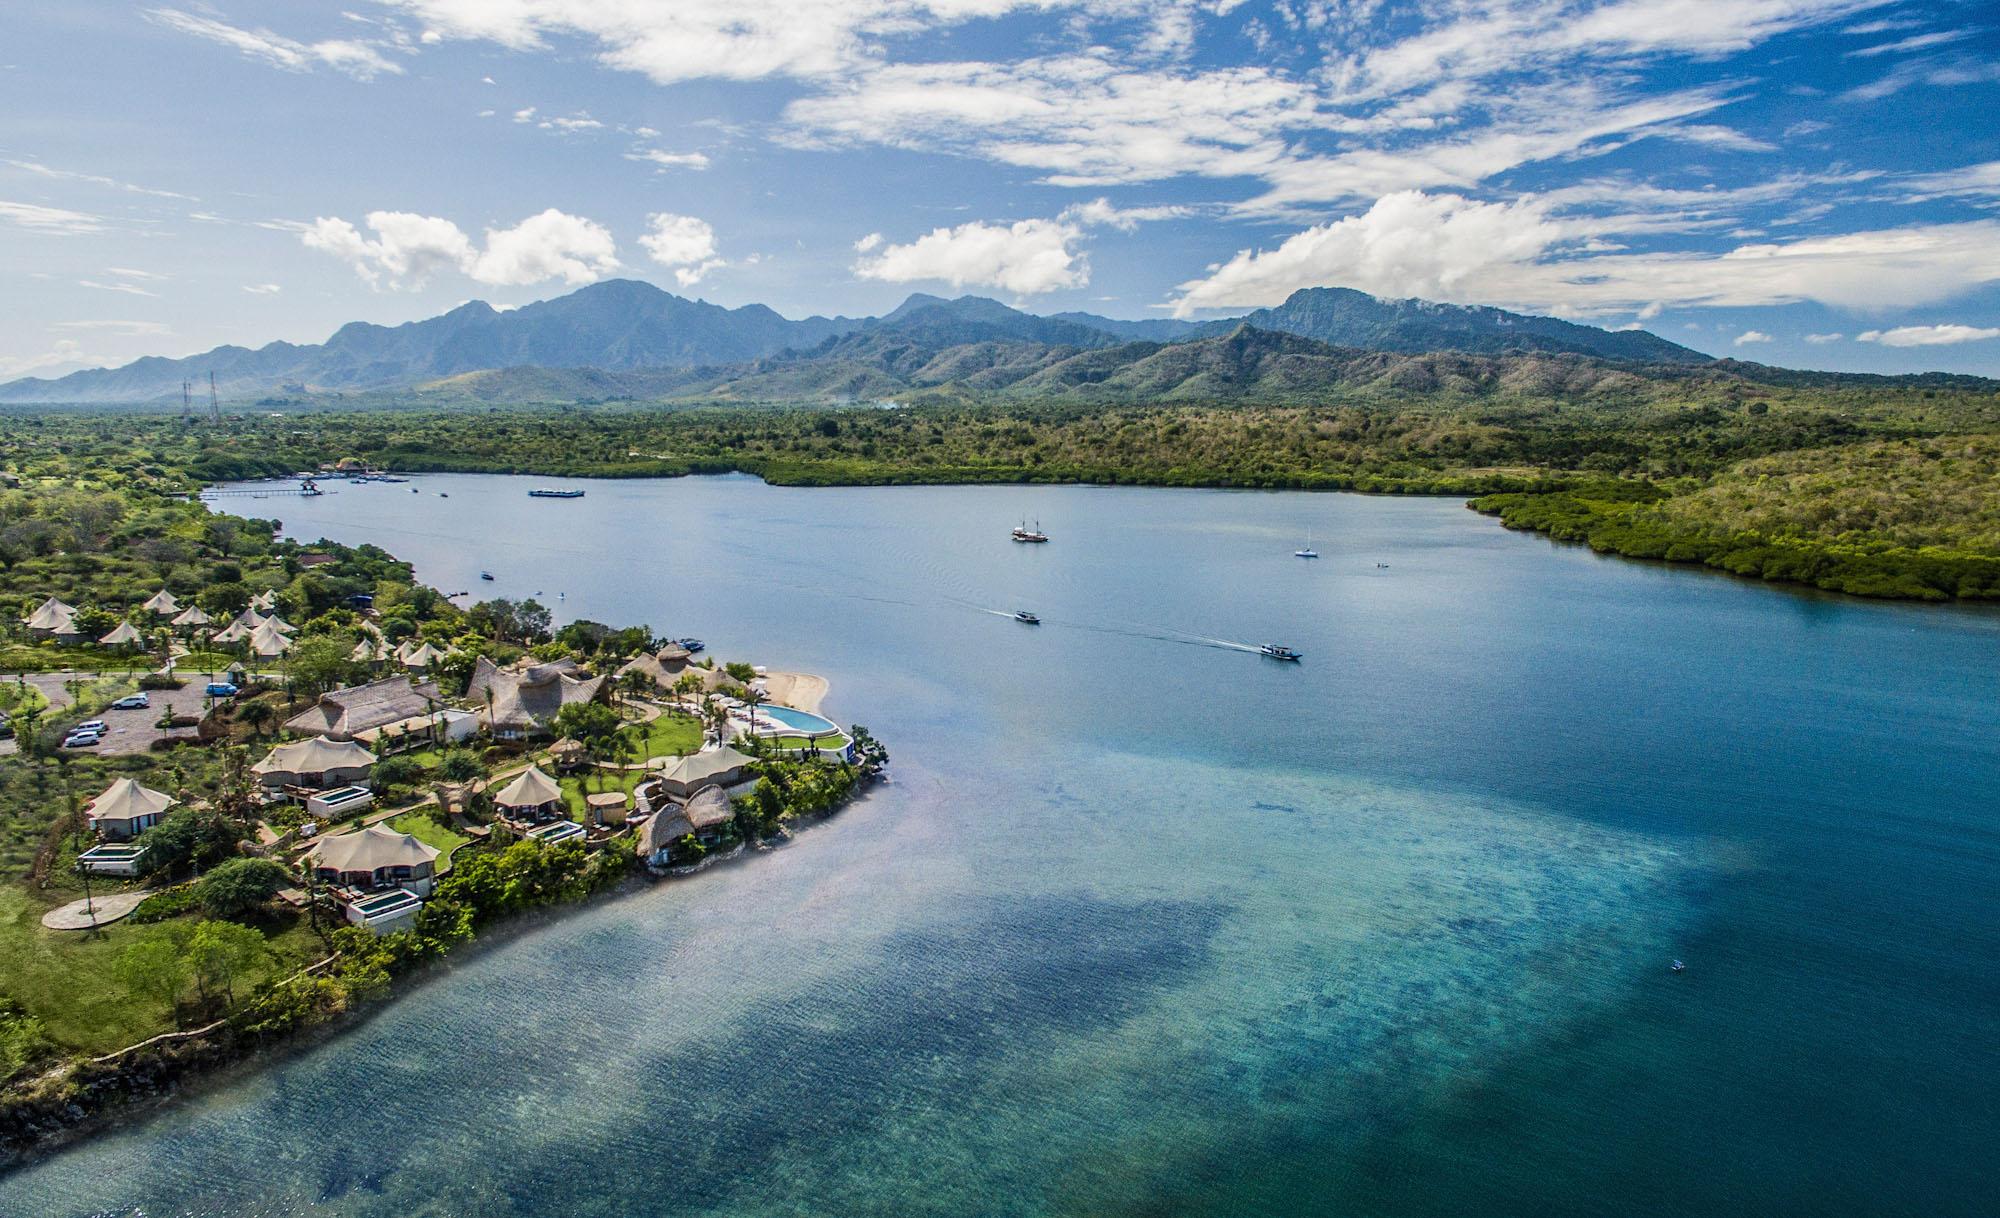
(1821, 340)
(1407, 244)
(1928, 336)
(1526, 255)
(685, 243)
(130, 289)
(551, 245)
(95, 179)
(670, 160)
(66, 352)
(409, 248)
(262, 289)
(1973, 181)
(1916, 42)
(361, 60)
(676, 40)
(1026, 257)
(50, 219)
(1752, 336)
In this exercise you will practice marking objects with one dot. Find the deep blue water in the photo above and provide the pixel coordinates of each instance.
(1148, 924)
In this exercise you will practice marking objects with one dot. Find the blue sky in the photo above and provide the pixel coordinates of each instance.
(1813, 183)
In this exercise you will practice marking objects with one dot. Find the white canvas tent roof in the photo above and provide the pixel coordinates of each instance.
(705, 766)
(51, 614)
(314, 756)
(371, 850)
(268, 640)
(125, 799)
(532, 789)
(122, 635)
(266, 600)
(193, 616)
(162, 603)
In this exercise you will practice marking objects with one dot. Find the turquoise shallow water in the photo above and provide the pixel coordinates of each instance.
(1147, 924)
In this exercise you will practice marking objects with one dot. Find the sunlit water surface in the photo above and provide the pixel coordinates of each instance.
(1149, 924)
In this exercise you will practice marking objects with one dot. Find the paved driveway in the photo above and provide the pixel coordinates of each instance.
(131, 731)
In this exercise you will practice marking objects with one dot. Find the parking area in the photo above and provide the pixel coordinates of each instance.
(128, 731)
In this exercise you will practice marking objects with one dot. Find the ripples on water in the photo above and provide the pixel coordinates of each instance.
(1145, 928)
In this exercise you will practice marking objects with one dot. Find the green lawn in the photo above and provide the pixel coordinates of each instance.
(670, 735)
(49, 657)
(217, 662)
(16, 698)
(68, 979)
(830, 742)
(593, 780)
(431, 831)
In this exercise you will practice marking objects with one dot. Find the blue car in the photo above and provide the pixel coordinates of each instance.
(220, 689)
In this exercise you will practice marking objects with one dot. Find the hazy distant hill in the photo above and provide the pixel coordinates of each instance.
(627, 339)
(1347, 318)
(618, 324)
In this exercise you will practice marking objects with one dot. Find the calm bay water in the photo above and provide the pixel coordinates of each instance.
(1148, 924)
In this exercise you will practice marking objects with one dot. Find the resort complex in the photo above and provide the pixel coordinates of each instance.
(339, 798)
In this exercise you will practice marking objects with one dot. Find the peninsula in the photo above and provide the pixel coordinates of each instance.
(248, 783)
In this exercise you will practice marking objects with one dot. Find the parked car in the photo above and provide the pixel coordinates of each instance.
(82, 740)
(98, 726)
(220, 689)
(138, 701)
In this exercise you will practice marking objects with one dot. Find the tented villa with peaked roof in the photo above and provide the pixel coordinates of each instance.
(123, 636)
(346, 713)
(51, 619)
(162, 604)
(717, 767)
(268, 641)
(191, 617)
(241, 627)
(126, 809)
(374, 858)
(532, 797)
(315, 764)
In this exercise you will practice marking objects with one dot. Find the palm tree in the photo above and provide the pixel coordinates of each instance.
(754, 698)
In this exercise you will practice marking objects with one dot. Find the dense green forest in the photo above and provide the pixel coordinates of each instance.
(1887, 490)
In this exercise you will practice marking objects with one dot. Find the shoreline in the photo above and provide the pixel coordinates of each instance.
(1795, 563)
(203, 1073)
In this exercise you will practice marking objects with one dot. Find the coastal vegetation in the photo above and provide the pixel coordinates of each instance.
(220, 942)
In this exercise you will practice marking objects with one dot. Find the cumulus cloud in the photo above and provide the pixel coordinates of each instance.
(685, 243)
(1407, 244)
(1527, 255)
(1752, 336)
(361, 60)
(1928, 336)
(1026, 257)
(408, 249)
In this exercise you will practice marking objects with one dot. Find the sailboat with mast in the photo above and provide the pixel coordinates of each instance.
(1023, 533)
(1306, 551)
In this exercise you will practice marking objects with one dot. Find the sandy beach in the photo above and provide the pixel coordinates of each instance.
(800, 690)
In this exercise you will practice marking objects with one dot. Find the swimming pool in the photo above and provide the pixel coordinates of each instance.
(798, 720)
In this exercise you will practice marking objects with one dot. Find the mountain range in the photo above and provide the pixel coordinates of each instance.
(629, 339)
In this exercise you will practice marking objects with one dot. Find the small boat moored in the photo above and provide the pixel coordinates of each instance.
(543, 492)
(1023, 533)
(1308, 552)
(692, 645)
(487, 576)
(1023, 616)
(1679, 967)
(1279, 651)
